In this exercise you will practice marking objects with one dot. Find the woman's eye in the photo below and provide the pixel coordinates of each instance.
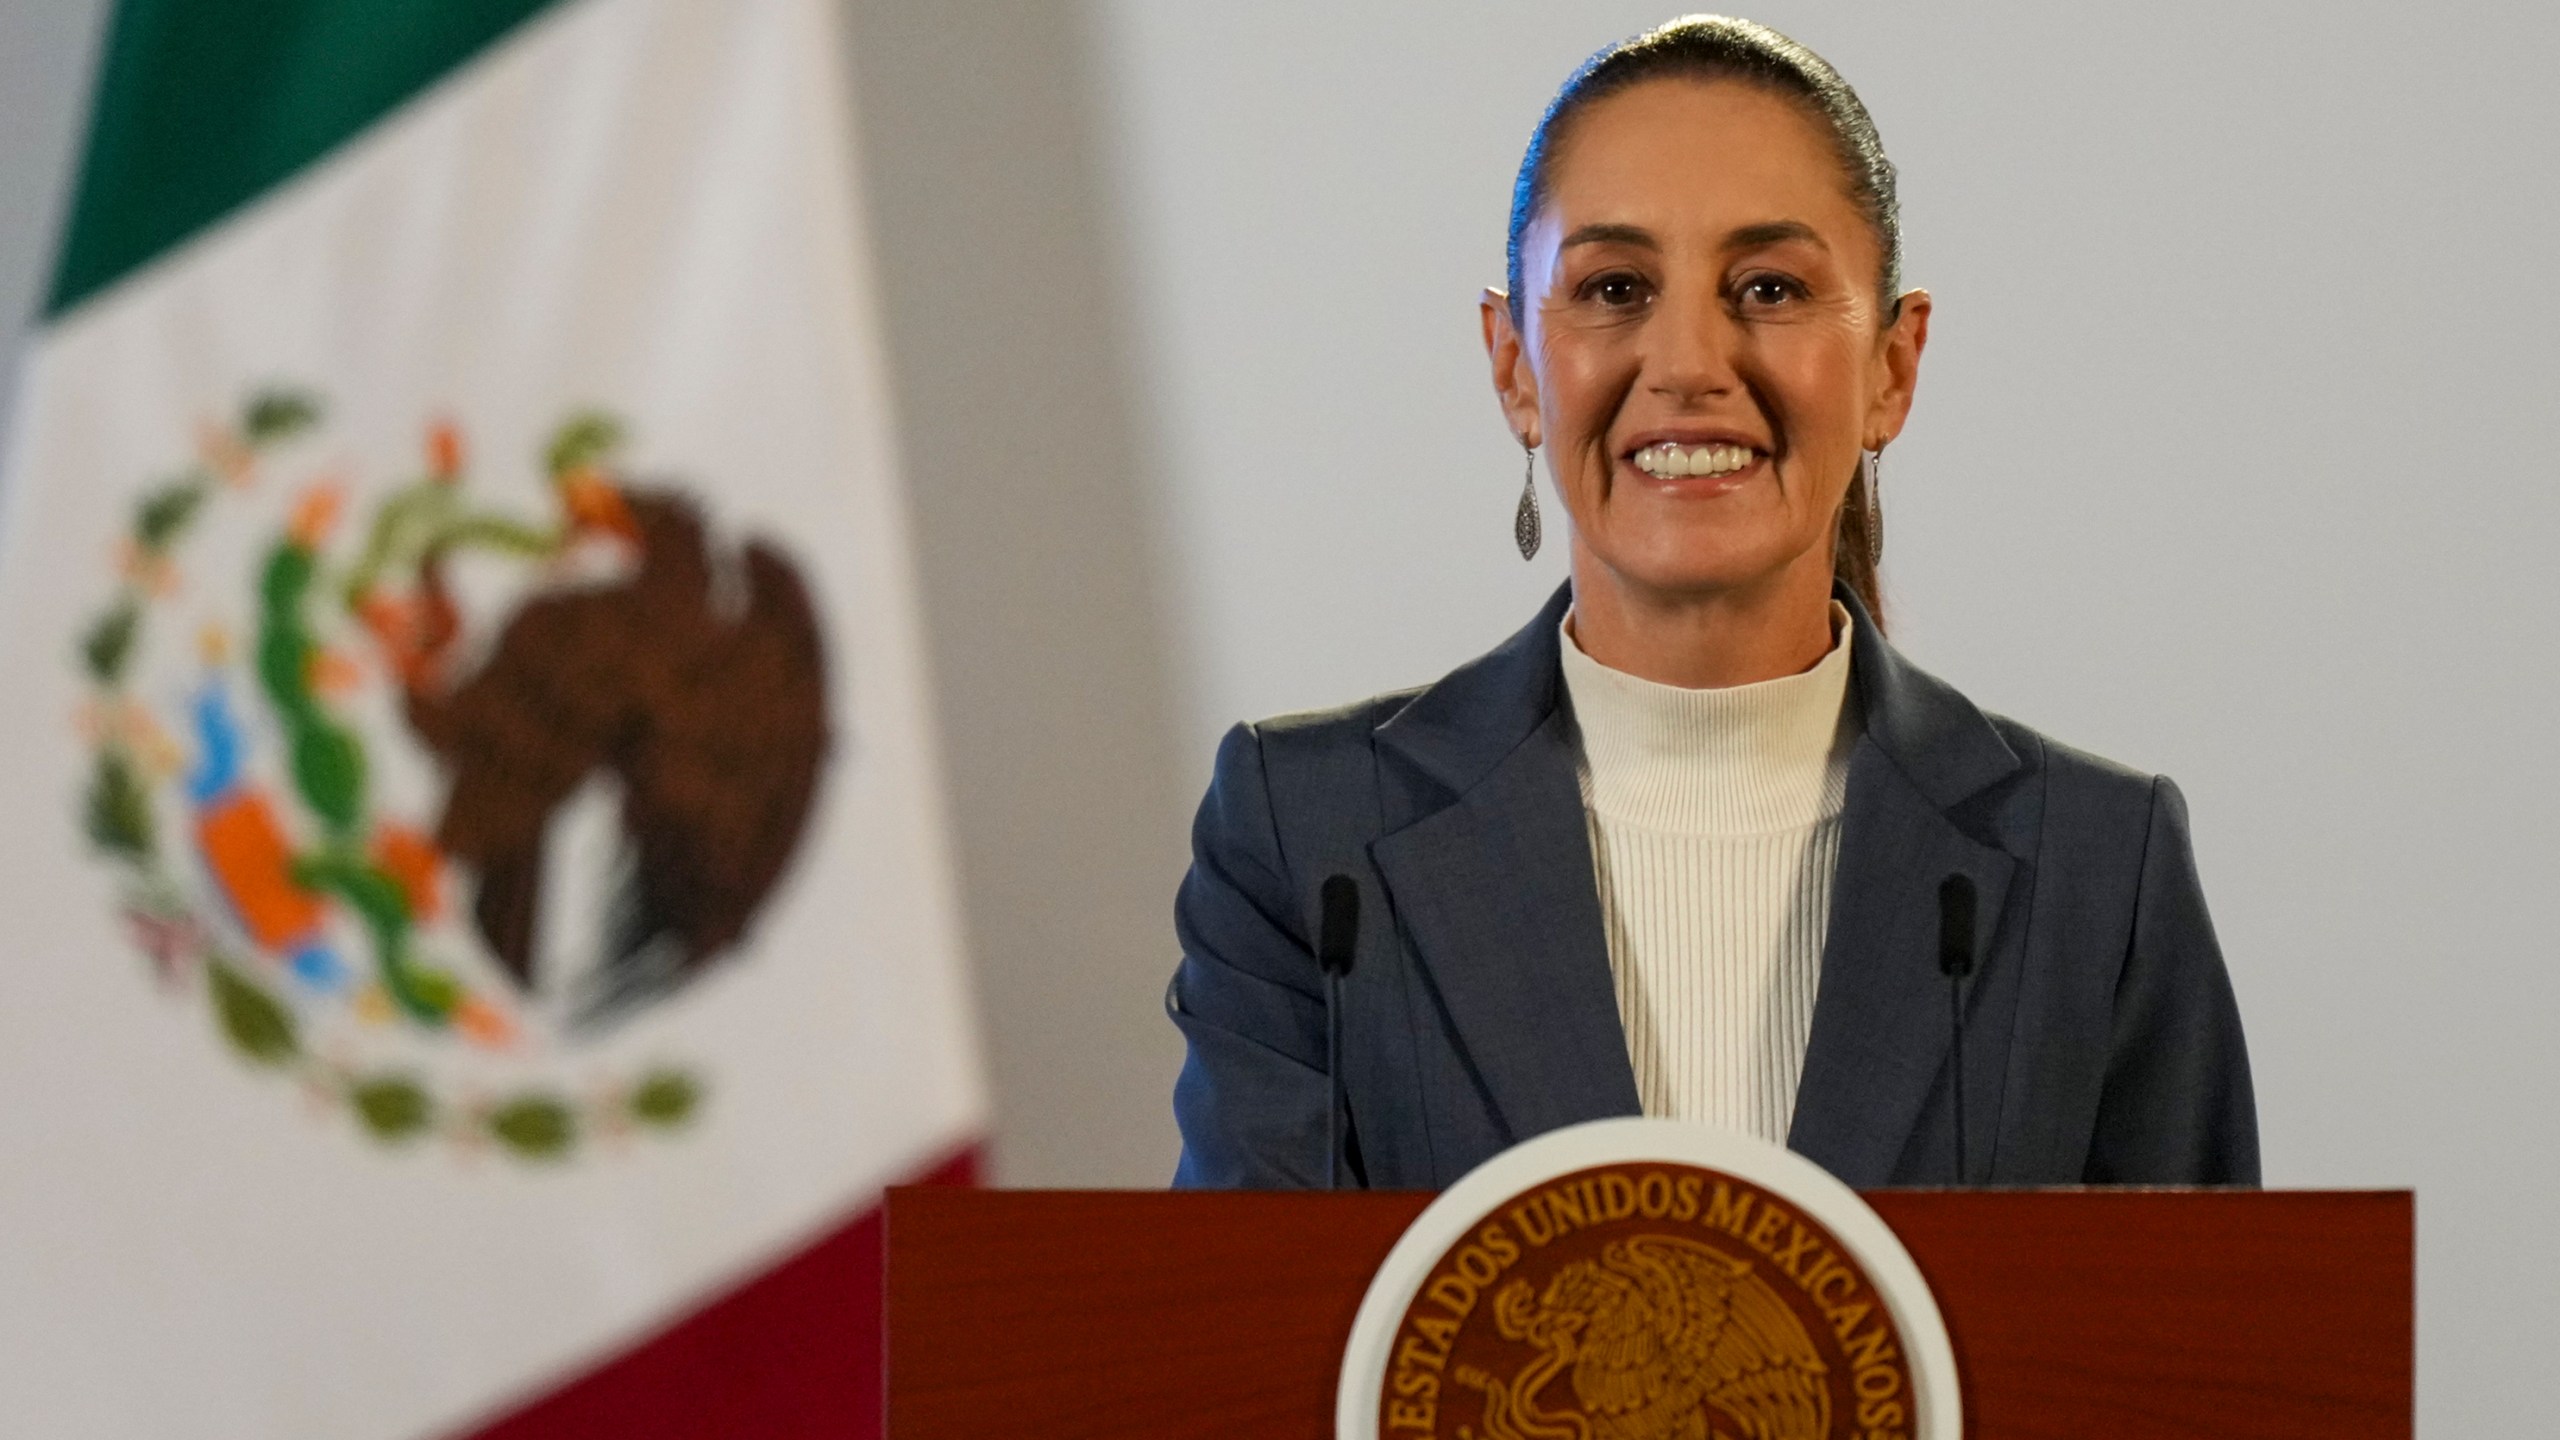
(1615, 292)
(1767, 291)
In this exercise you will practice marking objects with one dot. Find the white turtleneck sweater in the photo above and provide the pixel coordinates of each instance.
(1715, 829)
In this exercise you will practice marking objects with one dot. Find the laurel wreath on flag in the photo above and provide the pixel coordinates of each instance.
(251, 950)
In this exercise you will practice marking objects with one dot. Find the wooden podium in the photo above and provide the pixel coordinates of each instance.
(2074, 1313)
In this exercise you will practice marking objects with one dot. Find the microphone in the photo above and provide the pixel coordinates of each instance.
(1336, 938)
(1955, 961)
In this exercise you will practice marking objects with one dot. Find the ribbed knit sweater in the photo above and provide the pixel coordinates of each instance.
(1715, 829)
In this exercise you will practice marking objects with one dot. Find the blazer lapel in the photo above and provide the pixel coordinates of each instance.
(1497, 897)
(1488, 867)
(1881, 1028)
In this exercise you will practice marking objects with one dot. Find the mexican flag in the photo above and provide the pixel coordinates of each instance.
(477, 932)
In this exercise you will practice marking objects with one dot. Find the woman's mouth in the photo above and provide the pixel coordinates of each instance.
(1671, 461)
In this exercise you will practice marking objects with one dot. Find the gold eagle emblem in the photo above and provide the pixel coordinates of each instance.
(1665, 1339)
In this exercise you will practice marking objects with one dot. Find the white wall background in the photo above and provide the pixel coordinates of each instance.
(2234, 459)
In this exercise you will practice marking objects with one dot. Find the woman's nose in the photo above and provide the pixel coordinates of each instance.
(1692, 349)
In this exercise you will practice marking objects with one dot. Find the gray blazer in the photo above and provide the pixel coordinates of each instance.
(2102, 1044)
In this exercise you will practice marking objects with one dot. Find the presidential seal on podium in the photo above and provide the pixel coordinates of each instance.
(1648, 1280)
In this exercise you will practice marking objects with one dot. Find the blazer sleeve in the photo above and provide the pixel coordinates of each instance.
(2177, 1107)
(1248, 996)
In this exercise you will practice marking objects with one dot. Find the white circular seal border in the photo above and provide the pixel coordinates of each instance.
(1937, 1405)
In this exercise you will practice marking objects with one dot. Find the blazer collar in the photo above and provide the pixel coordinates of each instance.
(1459, 729)
(1943, 745)
(1495, 887)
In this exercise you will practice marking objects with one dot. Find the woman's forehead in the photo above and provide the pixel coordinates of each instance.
(1680, 152)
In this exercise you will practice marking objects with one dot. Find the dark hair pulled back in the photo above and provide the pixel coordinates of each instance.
(1718, 47)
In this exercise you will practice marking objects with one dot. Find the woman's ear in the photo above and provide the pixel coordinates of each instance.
(1515, 384)
(1899, 349)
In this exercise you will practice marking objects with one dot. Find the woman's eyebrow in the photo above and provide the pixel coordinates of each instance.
(1749, 237)
(1773, 232)
(1609, 234)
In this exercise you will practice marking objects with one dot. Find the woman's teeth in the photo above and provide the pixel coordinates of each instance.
(1669, 462)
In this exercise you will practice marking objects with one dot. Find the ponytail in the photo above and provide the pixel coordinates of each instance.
(1859, 544)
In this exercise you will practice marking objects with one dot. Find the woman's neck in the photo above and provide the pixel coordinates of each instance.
(1703, 640)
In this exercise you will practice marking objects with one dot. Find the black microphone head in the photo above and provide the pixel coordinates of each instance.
(1955, 925)
(1339, 933)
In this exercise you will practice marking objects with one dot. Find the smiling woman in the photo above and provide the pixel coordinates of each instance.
(1754, 223)
(1680, 846)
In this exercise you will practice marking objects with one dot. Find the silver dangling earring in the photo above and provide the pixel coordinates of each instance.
(1872, 463)
(1525, 526)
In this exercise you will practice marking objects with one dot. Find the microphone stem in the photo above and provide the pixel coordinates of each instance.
(1955, 1009)
(1333, 1079)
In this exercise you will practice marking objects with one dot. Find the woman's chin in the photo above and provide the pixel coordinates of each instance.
(1711, 566)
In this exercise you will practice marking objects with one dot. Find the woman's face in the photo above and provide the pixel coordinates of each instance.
(1700, 349)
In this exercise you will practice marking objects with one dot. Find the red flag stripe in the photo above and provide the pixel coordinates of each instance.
(792, 1354)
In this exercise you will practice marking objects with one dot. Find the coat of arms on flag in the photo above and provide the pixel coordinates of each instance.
(417, 958)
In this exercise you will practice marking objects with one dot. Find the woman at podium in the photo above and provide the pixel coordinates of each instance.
(1697, 841)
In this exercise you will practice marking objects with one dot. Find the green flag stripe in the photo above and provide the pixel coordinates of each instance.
(202, 105)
